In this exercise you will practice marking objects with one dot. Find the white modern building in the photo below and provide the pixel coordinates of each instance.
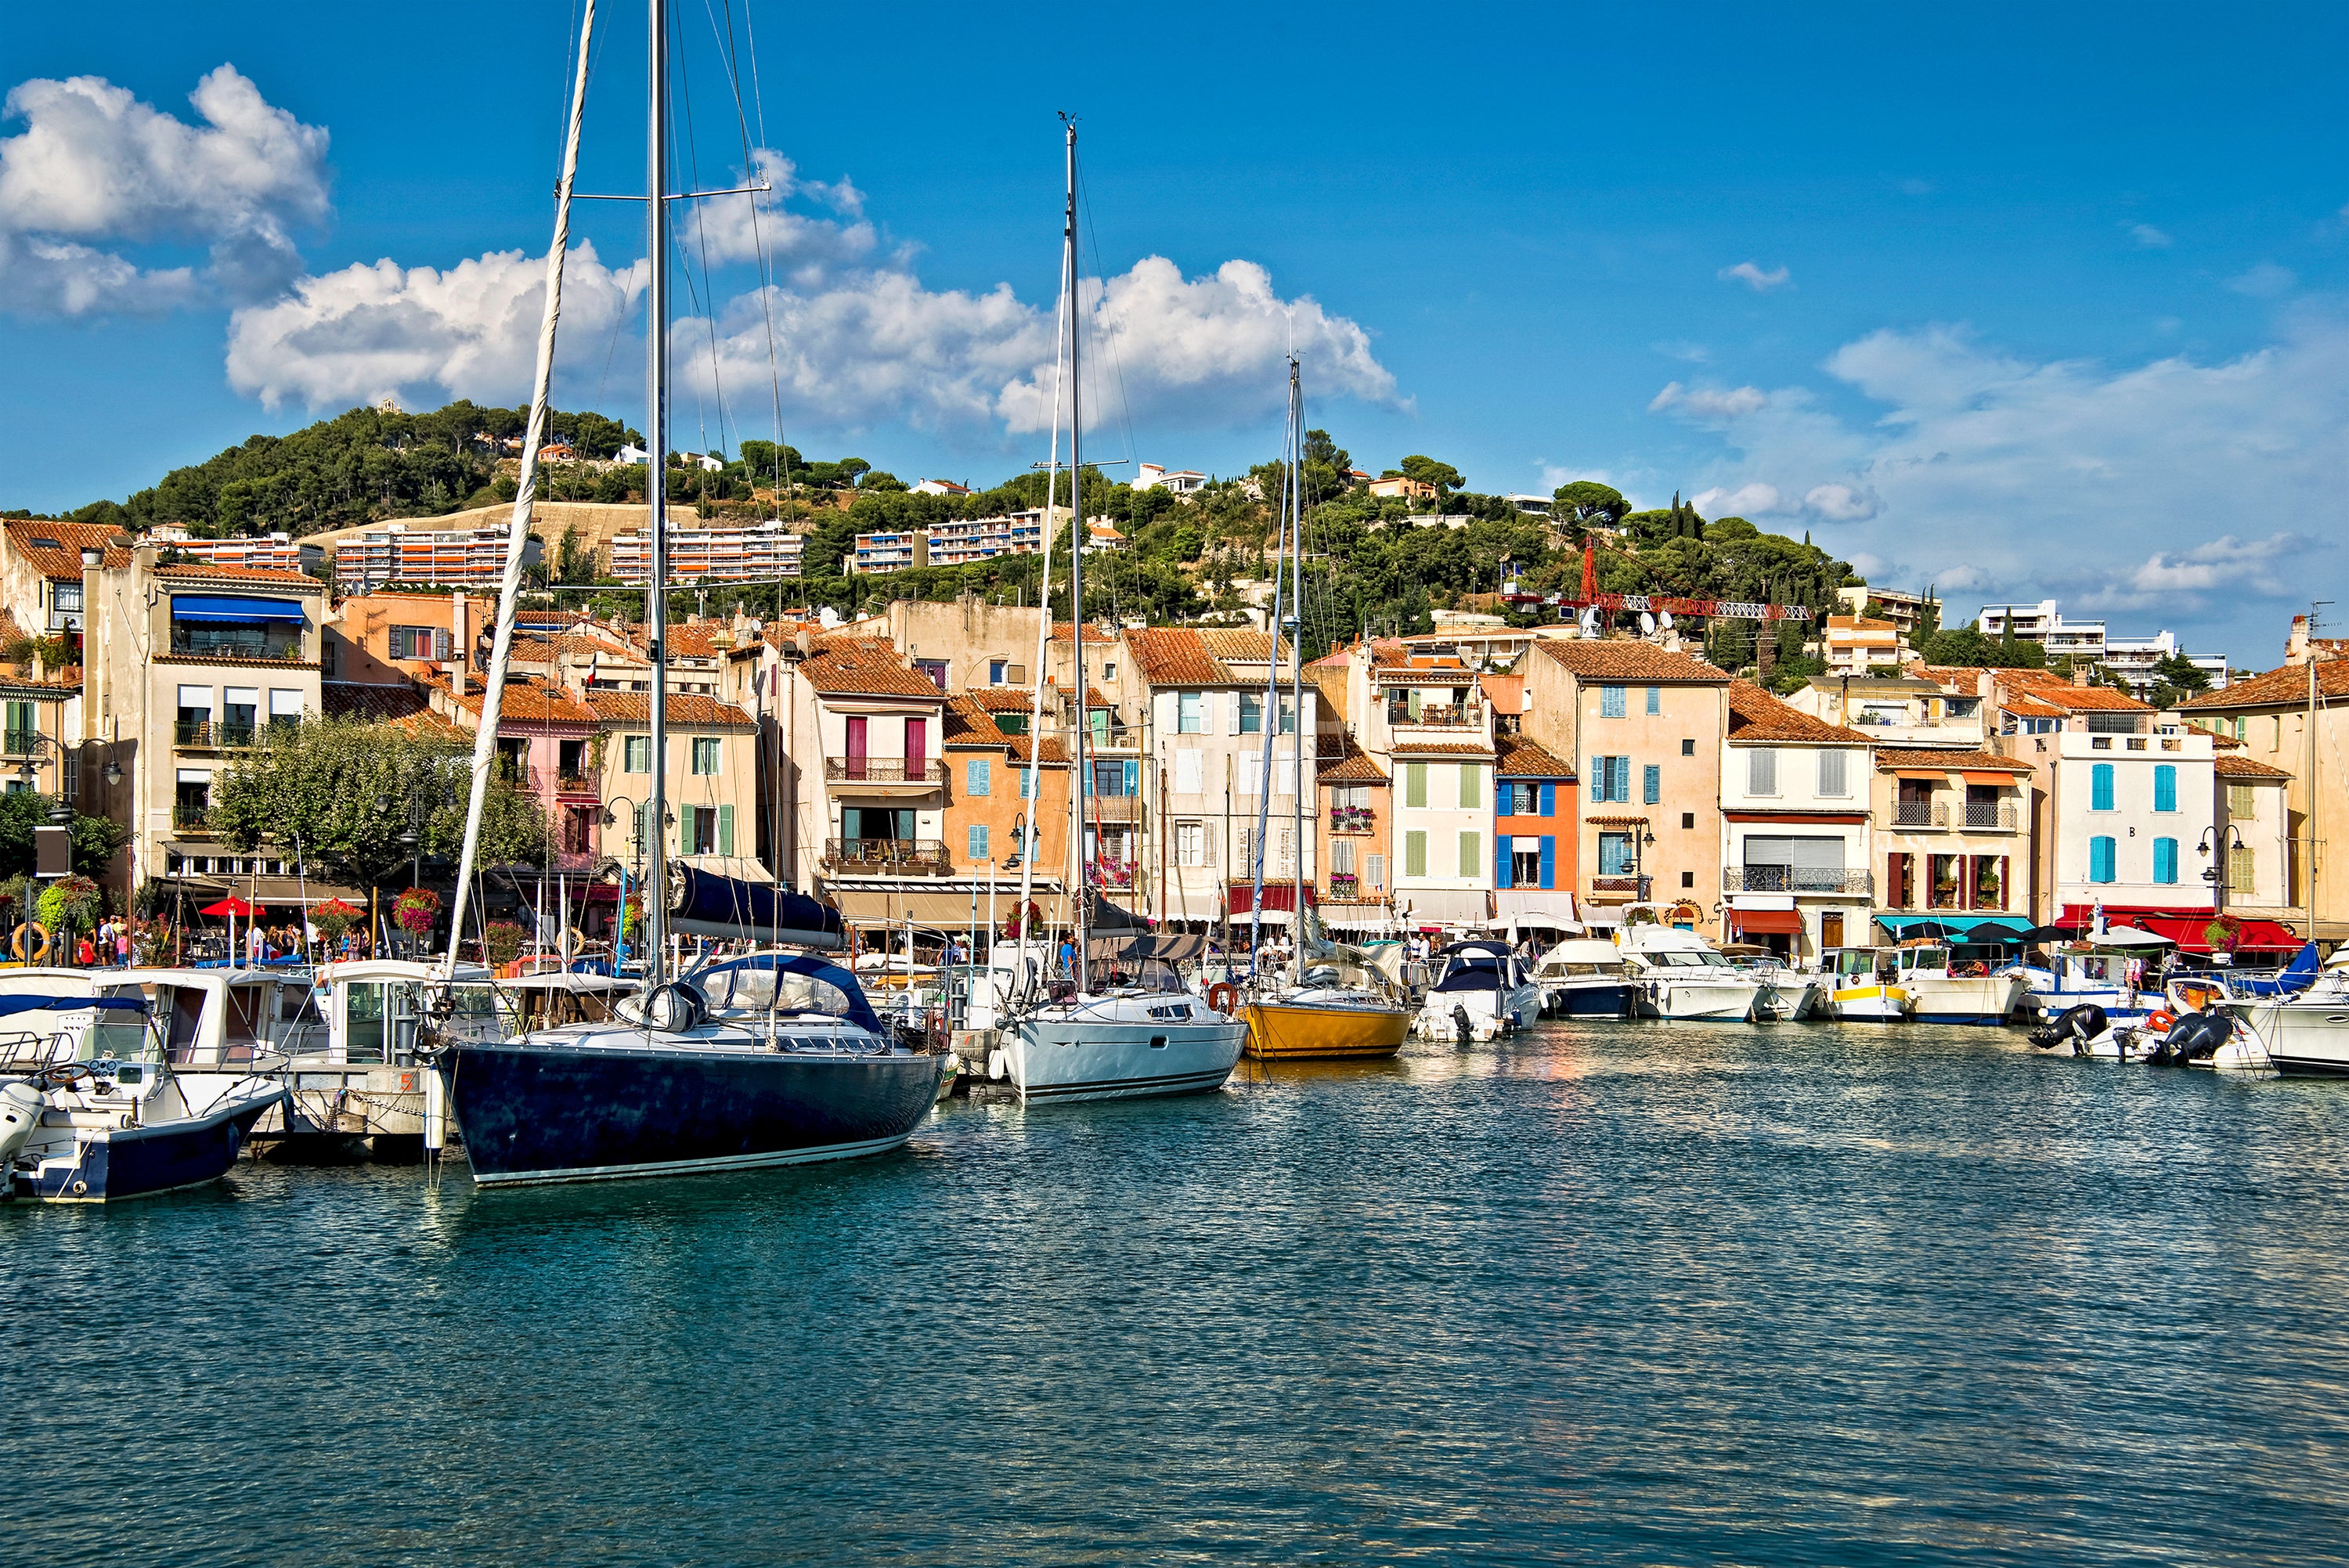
(760, 553)
(2127, 815)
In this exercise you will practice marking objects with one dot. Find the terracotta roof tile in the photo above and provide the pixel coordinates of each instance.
(2028, 708)
(858, 666)
(2085, 699)
(55, 547)
(2287, 685)
(1755, 716)
(1505, 693)
(684, 707)
(1858, 624)
(1003, 699)
(1234, 646)
(1066, 631)
(523, 701)
(1356, 765)
(2228, 765)
(1619, 659)
(370, 703)
(1525, 760)
(1439, 749)
(1903, 760)
(1175, 657)
(209, 572)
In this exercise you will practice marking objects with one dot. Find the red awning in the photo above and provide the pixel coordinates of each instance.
(1767, 922)
(1276, 896)
(2185, 927)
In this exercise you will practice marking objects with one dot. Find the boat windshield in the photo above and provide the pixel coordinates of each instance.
(741, 992)
(1679, 958)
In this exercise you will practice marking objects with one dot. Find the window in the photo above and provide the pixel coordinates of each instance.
(2240, 871)
(701, 830)
(239, 714)
(636, 754)
(1289, 715)
(1610, 702)
(1341, 858)
(1614, 854)
(1761, 771)
(978, 777)
(1525, 867)
(705, 754)
(2165, 861)
(2240, 801)
(1251, 714)
(2100, 860)
(1688, 818)
(1027, 783)
(1651, 783)
(974, 842)
(2165, 788)
(1190, 713)
(71, 768)
(1655, 700)
(995, 672)
(1687, 879)
(1688, 748)
(2100, 788)
(420, 643)
(1414, 853)
(1414, 788)
(1188, 771)
(1610, 778)
(1471, 855)
(1472, 784)
(1374, 871)
(1190, 843)
(934, 668)
(284, 707)
(67, 600)
(1108, 669)
(2115, 724)
(1831, 775)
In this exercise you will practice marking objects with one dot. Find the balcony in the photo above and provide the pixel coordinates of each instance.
(1926, 815)
(1795, 879)
(1113, 875)
(1615, 884)
(1438, 715)
(203, 734)
(190, 818)
(20, 743)
(1113, 808)
(885, 772)
(1990, 816)
(1345, 885)
(1352, 820)
(881, 857)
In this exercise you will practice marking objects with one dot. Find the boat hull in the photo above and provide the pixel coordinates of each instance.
(559, 1112)
(1610, 999)
(120, 1164)
(1056, 1059)
(1871, 1004)
(1983, 999)
(1288, 1030)
(1695, 1002)
(2301, 1040)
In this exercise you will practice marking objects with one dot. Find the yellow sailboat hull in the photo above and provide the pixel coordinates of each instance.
(1292, 1031)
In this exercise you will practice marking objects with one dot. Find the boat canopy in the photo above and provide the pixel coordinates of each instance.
(759, 983)
(68, 1004)
(704, 904)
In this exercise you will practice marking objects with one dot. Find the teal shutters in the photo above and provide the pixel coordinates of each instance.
(1655, 701)
(2100, 791)
(725, 830)
(1610, 702)
(2165, 861)
(974, 842)
(978, 776)
(2100, 860)
(1651, 782)
(2165, 791)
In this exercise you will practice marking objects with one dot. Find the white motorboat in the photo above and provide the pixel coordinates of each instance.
(1862, 986)
(1961, 991)
(2085, 977)
(1584, 977)
(1481, 986)
(1124, 1044)
(1682, 976)
(2301, 1034)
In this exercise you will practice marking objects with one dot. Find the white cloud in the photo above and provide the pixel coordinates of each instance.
(2148, 236)
(2113, 489)
(1754, 277)
(1745, 500)
(96, 168)
(1703, 403)
(2260, 565)
(367, 333)
(727, 228)
(2266, 281)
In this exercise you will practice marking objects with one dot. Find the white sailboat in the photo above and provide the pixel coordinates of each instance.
(1070, 1041)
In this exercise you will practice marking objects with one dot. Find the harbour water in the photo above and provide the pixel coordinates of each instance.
(1636, 1293)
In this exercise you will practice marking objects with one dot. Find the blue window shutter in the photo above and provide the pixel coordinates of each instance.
(974, 842)
(725, 830)
(1501, 861)
(1597, 777)
(1610, 702)
(1549, 799)
(1655, 699)
(1132, 776)
(2100, 860)
(2100, 788)
(2165, 859)
(1651, 784)
(1623, 780)
(1548, 862)
(2165, 788)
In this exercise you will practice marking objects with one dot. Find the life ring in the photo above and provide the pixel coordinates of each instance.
(16, 944)
(2160, 1022)
(1224, 997)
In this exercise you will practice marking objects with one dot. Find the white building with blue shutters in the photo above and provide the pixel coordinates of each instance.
(2129, 814)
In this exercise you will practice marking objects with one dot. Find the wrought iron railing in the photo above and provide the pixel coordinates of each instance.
(887, 854)
(1438, 715)
(1615, 884)
(1352, 820)
(186, 816)
(883, 770)
(203, 734)
(1997, 816)
(1919, 814)
(1344, 885)
(1795, 879)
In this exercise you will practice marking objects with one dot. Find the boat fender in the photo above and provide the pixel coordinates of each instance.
(1224, 997)
(20, 1112)
(39, 955)
(999, 1066)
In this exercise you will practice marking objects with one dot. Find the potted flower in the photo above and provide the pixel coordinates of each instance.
(501, 942)
(2222, 935)
(335, 919)
(415, 911)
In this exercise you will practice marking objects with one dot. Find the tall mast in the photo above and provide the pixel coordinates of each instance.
(1076, 558)
(1297, 650)
(485, 737)
(655, 893)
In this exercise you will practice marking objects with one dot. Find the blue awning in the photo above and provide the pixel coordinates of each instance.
(1897, 923)
(214, 608)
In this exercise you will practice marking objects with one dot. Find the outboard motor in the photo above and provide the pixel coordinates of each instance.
(2194, 1038)
(1460, 1023)
(2080, 1026)
(20, 1112)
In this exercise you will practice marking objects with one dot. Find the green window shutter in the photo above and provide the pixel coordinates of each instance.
(1414, 853)
(1472, 784)
(1414, 784)
(725, 830)
(1471, 855)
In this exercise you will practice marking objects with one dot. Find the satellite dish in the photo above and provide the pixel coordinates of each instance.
(1590, 623)
(1646, 623)
(1667, 619)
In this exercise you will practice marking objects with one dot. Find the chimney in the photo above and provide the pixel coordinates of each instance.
(2079, 674)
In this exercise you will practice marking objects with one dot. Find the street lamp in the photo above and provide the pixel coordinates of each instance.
(2232, 843)
(611, 819)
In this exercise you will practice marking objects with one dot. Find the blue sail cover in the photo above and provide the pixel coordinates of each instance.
(858, 1011)
(69, 1004)
(704, 904)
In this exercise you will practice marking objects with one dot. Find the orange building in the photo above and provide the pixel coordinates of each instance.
(1357, 825)
(1533, 835)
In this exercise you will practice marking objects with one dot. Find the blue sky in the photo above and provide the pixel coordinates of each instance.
(2023, 302)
